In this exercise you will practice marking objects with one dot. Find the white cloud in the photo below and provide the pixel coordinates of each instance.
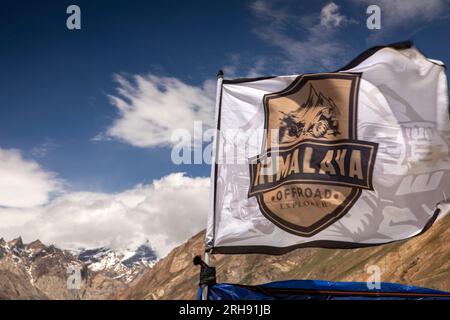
(43, 149)
(245, 65)
(399, 13)
(167, 212)
(24, 183)
(152, 107)
(307, 40)
(331, 17)
(277, 15)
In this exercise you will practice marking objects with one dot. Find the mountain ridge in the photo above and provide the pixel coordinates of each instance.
(423, 261)
(125, 266)
(39, 271)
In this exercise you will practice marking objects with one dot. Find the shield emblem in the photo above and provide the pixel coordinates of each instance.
(312, 168)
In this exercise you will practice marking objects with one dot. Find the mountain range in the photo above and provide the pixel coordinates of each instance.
(125, 266)
(423, 261)
(39, 271)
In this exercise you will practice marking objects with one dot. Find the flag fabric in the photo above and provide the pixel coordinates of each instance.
(345, 159)
(321, 290)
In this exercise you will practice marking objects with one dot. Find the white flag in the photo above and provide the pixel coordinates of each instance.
(352, 158)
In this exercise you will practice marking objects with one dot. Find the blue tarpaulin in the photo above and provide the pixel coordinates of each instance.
(321, 290)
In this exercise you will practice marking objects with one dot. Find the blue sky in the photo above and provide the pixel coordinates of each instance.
(58, 86)
(55, 81)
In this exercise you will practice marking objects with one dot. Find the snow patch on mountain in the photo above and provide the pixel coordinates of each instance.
(125, 265)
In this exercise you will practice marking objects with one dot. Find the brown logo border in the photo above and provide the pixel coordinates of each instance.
(345, 206)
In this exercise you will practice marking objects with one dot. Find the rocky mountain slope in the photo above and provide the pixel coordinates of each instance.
(37, 271)
(125, 266)
(422, 261)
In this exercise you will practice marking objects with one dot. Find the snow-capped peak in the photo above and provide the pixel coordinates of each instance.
(126, 265)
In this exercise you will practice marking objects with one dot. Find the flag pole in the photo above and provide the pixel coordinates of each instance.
(214, 161)
(205, 288)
